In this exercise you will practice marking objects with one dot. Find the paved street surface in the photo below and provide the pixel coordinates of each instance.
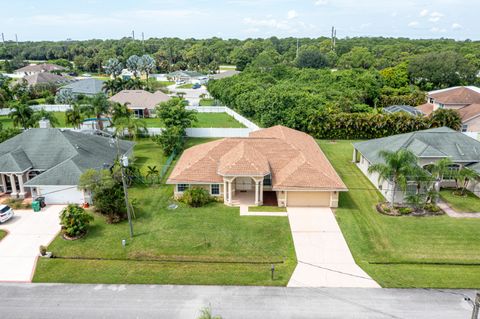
(324, 259)
(151, 301)
(27, 230)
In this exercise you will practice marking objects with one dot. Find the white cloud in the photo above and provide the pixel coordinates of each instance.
(321, 2)
(270, 23)
(424, 13)
(438, 30)
(435, 16)
(457, 26)
(413, 24)
(292, 14)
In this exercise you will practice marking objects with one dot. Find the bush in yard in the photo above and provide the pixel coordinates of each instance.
(196, 197)
(74, 221)
(110, 201)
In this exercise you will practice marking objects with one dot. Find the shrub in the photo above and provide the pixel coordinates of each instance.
(110, 201)
(196, 197)
(405, 210)
(74, 221)
(16, 203)
(43, 250)
(431, 208)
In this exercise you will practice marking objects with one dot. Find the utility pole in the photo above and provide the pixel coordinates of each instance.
(123, 163)
(333, 37)
(297, 47)
(3, 38)
(476, 306)
(143, 42)
(16, 39)
(133, 34)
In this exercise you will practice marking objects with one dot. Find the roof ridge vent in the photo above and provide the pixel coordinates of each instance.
(459, 149)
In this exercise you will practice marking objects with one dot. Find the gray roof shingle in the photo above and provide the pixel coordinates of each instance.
(86, 86)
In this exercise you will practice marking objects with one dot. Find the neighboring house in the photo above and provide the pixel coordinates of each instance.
(280, 164)
(48, 162)
(38, 68)
(429, 146)
(141, 102)
(403, 109)
(86, 87)
(464, 99)
(46, 78)
(224, 74)
(188, 77)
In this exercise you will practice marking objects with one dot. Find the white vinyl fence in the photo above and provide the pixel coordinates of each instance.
(225, 109)
(46, 107)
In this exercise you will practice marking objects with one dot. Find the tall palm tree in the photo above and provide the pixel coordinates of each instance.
(97, 106)
(438, 170)
(73, 116)
(397, 168)
(120, 111)
(22, 115)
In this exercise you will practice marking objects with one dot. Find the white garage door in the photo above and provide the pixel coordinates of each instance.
(61, 194)
(305, 199)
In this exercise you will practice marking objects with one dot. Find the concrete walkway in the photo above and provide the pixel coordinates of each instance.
(324, 259)
(27, 230)
(453, 213)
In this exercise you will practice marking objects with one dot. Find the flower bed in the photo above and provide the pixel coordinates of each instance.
(399, 210)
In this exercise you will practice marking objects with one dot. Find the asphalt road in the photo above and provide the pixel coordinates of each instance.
(153, 301)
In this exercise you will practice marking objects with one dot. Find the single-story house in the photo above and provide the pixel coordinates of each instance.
(46, 78)
(407, 109)
(141, 102)
(464, 99)
(280, 164)
(86, 87)
(429, 146)
(223, 74)
(188, 77)
(49, 162)
(38, 68)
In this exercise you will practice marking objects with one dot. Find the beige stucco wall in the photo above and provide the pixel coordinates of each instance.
(473, 125)
(177, 194)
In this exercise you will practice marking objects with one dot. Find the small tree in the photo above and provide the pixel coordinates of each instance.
(398, 167)
(171, 139)
(75, 221)
(113, 67)
(463, 177)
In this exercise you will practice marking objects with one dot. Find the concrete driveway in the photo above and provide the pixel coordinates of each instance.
(27, 230)
(324, 259)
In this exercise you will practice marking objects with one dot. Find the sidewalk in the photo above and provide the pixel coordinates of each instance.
(453, 213)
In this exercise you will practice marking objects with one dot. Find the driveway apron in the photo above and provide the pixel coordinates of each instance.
(324, 259)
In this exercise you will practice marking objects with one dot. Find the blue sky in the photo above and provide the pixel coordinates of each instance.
(86, 19)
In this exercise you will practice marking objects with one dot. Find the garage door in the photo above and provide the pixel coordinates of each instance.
(61, 194)
(302, 199)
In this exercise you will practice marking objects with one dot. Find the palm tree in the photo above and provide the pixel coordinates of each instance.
(463, 177)
(97, 106)
(130, 124)
(50, 116)
(120, 111)
(438, 170)
(22, 115)
(73, 116)
(397, 168)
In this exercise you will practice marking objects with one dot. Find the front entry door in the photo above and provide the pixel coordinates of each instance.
(243, 183)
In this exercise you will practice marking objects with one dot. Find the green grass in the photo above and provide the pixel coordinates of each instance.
(227, 67)
(429, 251)
(468, 204)
(185, 86)
(267, 209)
(101, 77)
(2, 234)
(166, 83)
(204, 235)
(207, 102)
(7, 122)
(222, 120)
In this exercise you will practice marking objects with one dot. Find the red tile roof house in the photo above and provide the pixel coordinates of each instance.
(464, 99)
(281, 165)
(141, 102)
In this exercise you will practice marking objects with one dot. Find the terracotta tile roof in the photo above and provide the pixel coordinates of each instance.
(293, 158)
(140, 98)
(426, 108)
(44, 67)
(457, 95)
(470, 111)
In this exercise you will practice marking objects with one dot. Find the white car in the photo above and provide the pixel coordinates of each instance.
(5, 213)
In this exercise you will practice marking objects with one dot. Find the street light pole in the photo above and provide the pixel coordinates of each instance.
(476, 306)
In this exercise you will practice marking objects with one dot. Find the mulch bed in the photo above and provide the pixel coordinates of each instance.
(384, 208)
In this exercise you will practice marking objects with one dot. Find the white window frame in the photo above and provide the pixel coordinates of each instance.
(185, 187)
(211, 189)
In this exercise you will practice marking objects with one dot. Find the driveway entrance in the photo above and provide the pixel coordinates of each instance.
(324, 259)
(27, 230)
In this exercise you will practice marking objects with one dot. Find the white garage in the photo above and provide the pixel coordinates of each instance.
(60, 194)
(308, 199)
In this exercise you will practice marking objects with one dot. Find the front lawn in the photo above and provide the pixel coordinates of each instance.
(221, 120)
(439, 252)
(468, 204)
(207, 102)
(218, 246)
(185, 86)
(267, 209)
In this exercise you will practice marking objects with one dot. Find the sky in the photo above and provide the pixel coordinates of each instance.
(109, 19)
